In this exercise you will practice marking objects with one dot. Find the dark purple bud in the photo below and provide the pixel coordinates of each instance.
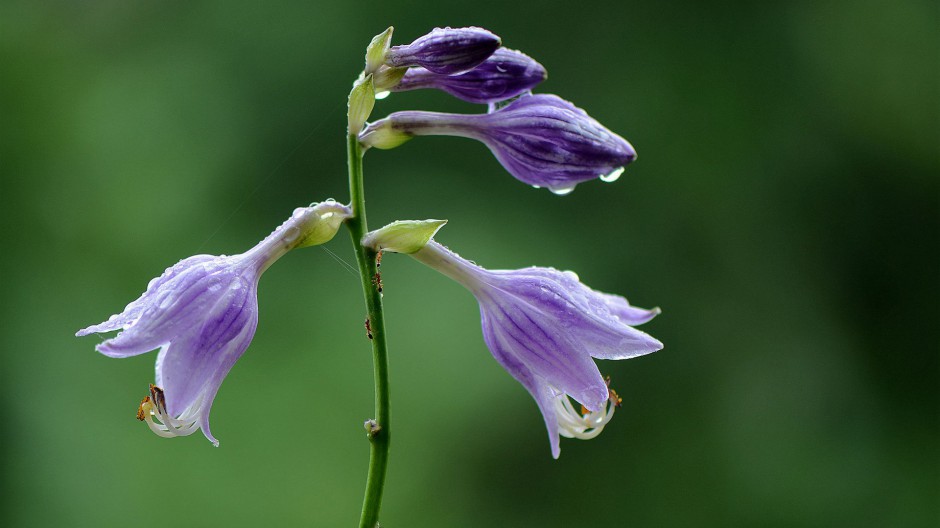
(542, 140)
(506, 74)
(446, 50)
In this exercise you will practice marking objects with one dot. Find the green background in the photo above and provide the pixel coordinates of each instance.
(783, 212)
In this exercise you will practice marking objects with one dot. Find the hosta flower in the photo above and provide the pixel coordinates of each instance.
(445, 50)
(504, 75)
(542, 140)
(544, 326)
(201, 314)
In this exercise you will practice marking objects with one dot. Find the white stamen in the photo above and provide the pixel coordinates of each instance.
(165, 425)
(572, 424)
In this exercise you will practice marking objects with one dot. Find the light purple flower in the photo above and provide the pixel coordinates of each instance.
(201, 314)
(504, 75)
(542, 140)
(446, 50)
(544, 326)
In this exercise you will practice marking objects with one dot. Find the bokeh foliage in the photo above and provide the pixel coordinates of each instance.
(783, 212)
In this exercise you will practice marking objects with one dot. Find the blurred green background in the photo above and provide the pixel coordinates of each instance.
(783, 213)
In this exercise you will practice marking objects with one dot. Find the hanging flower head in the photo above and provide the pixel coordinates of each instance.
(201, 314)
(542, 140)
(544, 327)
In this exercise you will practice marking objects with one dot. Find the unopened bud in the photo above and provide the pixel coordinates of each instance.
(541, 139)
(446, 50)
(506, 74)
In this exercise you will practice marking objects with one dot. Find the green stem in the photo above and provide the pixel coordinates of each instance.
(368, 271)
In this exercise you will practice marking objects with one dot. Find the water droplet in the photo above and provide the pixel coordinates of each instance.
(382, 95)
(494, 88)
(613, 176)
(536, 186)
(291, 235)
(561, 191)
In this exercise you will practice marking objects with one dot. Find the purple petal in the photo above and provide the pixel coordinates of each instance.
(536, 387)
(202, 358)
(173, 308)
(630, 315)
(133, 310)
(551, 355)
(585, 314)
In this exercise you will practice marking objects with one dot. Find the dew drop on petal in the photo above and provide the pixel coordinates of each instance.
(613, 176)
(291, 234)
(561, 191)
(382, 95)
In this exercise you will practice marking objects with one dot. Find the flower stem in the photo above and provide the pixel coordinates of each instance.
(366, 257)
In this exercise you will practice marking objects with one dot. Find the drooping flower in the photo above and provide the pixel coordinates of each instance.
(544, 326)
(445, 50)
(504, 75)
(202, 313)
(541, 139)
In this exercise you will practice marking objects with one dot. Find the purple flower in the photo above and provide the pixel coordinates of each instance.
(201, 314)
(544, 326)
(446, 50)
(542, 140)
(504, 75)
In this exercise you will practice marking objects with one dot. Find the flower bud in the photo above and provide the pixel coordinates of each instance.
(541, 140)
(403, 236)
(446, 50)
(504, 75)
